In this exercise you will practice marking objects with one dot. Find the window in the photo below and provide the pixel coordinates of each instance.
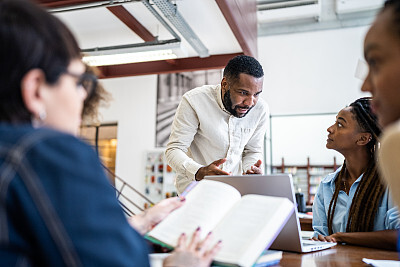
(103, 138)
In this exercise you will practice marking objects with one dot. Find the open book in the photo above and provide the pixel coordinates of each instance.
(246, 225)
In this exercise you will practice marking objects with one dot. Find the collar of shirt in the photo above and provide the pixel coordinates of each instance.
(331, 178)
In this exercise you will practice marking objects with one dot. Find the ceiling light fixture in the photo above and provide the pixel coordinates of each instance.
(133, 53)
(127, 58)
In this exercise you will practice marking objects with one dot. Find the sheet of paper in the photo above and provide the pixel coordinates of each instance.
(382, 263)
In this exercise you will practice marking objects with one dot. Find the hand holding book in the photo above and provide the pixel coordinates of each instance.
(246, 225)
(184, 251)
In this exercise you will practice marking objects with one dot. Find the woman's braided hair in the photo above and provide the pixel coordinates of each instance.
(370, 190)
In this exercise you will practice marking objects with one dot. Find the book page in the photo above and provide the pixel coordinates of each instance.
(241, 227)
(205, 206)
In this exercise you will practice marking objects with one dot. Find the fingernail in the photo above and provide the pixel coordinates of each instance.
(219, 242)
(209, 233)
(198, 228)
(182, 199)
(183, 234)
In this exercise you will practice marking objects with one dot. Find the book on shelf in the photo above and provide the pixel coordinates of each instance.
(246, 225)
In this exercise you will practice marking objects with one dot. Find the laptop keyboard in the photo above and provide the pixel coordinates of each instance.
(312, 242)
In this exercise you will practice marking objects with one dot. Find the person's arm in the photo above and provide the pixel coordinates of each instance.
(320, 221)
(86, 208)
(253, 150)
(385, 239)
(183, 130)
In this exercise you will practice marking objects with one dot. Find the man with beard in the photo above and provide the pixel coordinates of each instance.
(219, 129)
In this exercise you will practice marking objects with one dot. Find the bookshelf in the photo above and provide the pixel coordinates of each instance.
(307, 177)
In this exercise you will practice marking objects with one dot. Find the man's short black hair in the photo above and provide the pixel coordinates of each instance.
(243, 64)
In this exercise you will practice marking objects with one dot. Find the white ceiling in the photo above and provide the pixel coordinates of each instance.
(98, 27)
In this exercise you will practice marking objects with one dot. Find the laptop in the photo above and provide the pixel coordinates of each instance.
(278, 185)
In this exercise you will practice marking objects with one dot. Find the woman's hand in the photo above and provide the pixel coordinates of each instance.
(197, 253)
(329, 238)
(146, 220)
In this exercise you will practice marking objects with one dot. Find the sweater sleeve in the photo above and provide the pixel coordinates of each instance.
(183, 130)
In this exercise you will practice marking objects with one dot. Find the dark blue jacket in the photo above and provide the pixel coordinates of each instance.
(57, 207)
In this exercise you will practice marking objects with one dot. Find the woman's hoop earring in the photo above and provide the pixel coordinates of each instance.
(42, 115)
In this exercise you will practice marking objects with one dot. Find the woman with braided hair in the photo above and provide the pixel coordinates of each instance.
(352, 205)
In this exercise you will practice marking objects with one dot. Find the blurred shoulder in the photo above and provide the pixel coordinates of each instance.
(34, 141)
(390, 140)
(202, 90)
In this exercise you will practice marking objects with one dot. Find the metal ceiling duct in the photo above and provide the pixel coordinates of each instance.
(170, 11)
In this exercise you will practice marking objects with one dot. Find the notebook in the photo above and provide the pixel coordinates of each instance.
(279, 185)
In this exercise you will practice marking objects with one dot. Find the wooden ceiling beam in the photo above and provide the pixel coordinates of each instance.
(170, 66)
(63, 3)
(241, 16)
(129, 20)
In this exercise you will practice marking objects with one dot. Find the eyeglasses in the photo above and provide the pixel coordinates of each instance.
(87, 80)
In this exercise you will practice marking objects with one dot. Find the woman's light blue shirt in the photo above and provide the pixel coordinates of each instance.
(387, 216)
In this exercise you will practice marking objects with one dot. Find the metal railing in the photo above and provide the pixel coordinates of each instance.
(122, 198)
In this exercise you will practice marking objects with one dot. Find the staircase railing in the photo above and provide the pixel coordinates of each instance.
(122, 198)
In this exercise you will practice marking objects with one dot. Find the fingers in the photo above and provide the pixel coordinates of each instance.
(203, 246)
(158, 212)
(218, 162)
(197, 245)
(172, 203)
(193, 246)
(209, 254)
(329, 239)
(254, 170)
(321, 238)
(213, 252)
(212, 169)
(196, 253)
(221, 172)
(325, 238)
(181, 242)
(258, 163)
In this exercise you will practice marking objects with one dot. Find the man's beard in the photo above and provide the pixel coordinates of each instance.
(227, 101)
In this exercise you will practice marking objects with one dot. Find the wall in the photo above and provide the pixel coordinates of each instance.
(309, 73)
(134, 109)
(305, 73)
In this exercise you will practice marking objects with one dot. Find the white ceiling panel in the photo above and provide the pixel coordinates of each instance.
(98, 27)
